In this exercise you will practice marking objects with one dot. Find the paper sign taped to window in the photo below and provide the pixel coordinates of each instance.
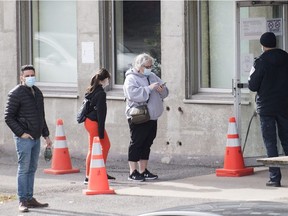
(275, 26)
(252, 28)
(247, 61)
(87, 52)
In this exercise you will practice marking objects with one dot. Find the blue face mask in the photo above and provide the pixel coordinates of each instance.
(147, 72)
(30, 81)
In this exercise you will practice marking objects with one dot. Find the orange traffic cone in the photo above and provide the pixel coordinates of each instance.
(233, 162)
(98, 181)
(61, 163)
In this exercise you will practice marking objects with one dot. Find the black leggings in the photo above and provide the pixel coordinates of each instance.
(142, 137)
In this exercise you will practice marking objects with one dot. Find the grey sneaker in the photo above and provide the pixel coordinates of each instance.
(148, 175)
(23, 206)
(136, 176)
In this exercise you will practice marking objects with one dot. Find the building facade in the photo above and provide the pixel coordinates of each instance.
(203, 50)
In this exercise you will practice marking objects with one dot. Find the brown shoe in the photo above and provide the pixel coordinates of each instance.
(33, 203)
(23, 207)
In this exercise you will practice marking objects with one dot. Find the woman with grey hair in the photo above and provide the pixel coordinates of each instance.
(142, 86)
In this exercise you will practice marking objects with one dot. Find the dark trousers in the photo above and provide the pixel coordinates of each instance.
(141, 140)
(269, 134)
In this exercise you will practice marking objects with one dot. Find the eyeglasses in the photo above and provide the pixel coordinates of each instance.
(148, 67)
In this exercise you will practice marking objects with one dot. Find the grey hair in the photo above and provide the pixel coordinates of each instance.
(141, 59)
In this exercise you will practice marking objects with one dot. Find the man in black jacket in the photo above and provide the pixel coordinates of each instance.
(269, 78)
(24, 114)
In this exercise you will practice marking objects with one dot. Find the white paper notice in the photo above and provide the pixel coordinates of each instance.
(252, 28)
(275, 26)
(88, 52)
(247, 61)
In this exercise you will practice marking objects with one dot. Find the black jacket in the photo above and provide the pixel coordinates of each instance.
(24, 113)
(98, 108)
(270, 81)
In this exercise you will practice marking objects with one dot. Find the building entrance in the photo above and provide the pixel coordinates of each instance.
(253, 18)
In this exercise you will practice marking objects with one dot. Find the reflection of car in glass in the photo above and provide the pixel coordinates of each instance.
(125, 58)
(52, 58)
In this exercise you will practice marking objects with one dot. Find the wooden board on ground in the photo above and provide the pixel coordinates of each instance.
(274, 161)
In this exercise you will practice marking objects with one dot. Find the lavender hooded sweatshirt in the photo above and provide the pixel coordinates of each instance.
(137, 92)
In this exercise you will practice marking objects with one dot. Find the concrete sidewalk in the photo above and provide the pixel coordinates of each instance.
(198, 191)
(211, 187)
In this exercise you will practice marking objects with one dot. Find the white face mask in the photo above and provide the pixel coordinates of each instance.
(105, 82)
(262, 49)
(30, 81)
(147, 72)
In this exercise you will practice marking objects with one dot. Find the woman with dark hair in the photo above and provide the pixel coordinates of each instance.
(95, 121)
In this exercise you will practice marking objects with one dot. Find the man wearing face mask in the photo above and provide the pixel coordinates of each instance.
(269, 78)
(142, 86)
(95, 121)
(24, 115)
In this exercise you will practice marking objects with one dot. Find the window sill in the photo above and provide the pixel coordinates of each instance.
(216, 98)
(58, 90)
(115, 94)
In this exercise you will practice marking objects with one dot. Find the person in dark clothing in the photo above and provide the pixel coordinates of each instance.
(269, 78)
(25, 116)
(95, 119)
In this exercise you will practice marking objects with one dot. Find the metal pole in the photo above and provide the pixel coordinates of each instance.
(236, 81)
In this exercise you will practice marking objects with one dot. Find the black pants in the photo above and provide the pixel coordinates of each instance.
(142, 137)
(269, 133)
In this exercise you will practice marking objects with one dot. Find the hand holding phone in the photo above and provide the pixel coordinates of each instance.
(164, 84)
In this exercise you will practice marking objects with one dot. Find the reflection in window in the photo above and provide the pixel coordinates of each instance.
(54, 41)
(137, 30)
(217, 44)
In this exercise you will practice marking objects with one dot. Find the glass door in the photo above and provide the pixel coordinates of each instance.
(253, 19)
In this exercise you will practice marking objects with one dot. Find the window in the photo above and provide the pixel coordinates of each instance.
(211, 44)
(54, 41)
(211, 28)
(137, 30)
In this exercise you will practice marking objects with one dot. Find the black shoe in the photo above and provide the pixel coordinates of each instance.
(33, 203)
(148, 175)
(86, 181)
(136, 176)
(23, 206)
(110, 177)
(273, 184)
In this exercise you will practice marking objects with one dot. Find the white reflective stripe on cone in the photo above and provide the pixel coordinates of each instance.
(97, 163)
(232, 129)
(233, 142)
(96, 149)
(60, 144)
(60, 131)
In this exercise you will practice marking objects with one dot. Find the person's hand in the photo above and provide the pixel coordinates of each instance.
(160, 88)
(154, 85)
(48, 142)
(26, 136)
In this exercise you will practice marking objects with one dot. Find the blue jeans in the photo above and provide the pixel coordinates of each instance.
(269, 134)
(28, 155)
